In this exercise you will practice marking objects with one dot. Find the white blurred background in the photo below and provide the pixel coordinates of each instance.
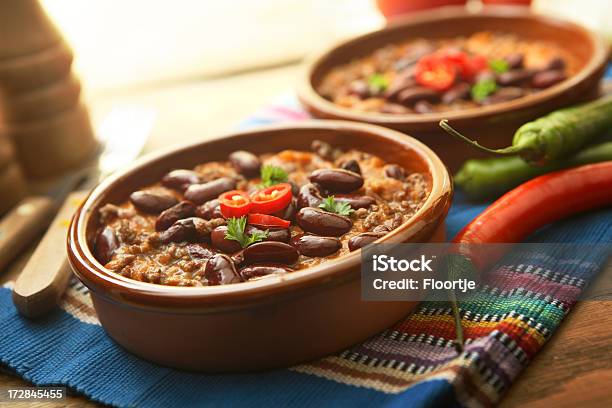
(120, 42)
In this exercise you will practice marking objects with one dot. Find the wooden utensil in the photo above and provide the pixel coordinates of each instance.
(21, 225)
(44, 278)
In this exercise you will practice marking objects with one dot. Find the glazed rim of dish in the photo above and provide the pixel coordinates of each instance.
(310, 95)
(95, 274)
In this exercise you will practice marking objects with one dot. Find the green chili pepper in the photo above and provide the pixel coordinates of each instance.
(489, 178)
(554, 136)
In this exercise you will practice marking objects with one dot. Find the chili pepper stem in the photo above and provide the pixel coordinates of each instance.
(508, 151)
(459, 338)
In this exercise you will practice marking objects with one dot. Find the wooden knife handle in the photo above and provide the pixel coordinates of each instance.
(21, 225)
(43, 280)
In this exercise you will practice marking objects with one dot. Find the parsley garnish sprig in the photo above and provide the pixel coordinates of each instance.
(499, 66)
(483, 88)
(377, 83)
(236, 232)
(331, 205)
(272, 175)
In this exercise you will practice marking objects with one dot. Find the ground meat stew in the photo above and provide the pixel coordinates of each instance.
(255, 216)
(424, 75)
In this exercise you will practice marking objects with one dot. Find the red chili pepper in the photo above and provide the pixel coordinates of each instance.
(467, 67)
(435, 72)
(538, 202)
(265, 220)
(271, 199)
(234, 203)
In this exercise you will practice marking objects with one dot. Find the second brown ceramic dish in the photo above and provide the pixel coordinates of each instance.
(272, 322)
(492, 125)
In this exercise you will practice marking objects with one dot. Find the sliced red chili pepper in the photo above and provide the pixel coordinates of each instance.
(234, 203)
(467, 67)
(265, 220)
(271, 199)
(435, 72)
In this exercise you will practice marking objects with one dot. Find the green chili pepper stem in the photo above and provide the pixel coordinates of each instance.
(508, 151)
(458, 266)
(459, 337)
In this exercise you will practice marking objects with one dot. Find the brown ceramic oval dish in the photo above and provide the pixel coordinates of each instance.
(492, 125)
(272, 322)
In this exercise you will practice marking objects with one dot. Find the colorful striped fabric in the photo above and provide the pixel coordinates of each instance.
(414, 363)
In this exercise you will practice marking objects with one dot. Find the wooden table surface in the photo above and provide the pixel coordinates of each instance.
(574, 368)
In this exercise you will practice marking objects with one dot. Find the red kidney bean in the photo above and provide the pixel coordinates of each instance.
(180, 179)
(352, 165)
(546, 79)
(238, 258)
(220, 270)
(515, 77)
(200, 251)
(264, 269)
(359, 88)
(381, 228)
(324, 223)
(456, 93)
(314, 245)
(503, 95)
(270, 251)
(399, 85)
(295, 189)
(209, 210)
(393, 108)
(309, 196)
(356, 201)
(423, 107)
(288, 212)
(201, 193)
(187, 229)
(411, 95)
(217, 237)
(184, 209)
(395, 171)
(245, 163)
(405, 63)
(363, 239)
(514, 61)
(556, 63)
(106, 245)
(337, 180)
(152, 202)
(274, 234)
